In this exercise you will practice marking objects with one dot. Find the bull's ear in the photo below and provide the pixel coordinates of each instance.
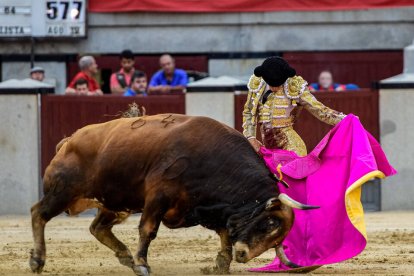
(273, 203)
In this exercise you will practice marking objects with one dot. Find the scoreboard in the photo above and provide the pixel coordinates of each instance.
(43, 18)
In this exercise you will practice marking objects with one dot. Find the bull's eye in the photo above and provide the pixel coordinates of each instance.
(272, 224)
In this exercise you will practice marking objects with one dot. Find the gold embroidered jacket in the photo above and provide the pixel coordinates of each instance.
(281, 107)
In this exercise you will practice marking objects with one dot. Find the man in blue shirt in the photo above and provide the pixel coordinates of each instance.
(168, 77)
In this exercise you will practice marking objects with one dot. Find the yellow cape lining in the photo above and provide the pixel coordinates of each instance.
(353, 201)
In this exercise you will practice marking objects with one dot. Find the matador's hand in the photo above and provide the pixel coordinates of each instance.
(255, 144)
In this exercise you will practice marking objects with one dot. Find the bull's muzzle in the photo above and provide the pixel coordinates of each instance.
(241, 256)
(241, 252)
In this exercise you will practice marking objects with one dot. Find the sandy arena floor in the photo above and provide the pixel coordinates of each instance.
(72, 250)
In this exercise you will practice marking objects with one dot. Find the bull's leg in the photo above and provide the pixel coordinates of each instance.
(50, 206)
(101, 228)
(224, 256)
(38, 253)
(151, 217)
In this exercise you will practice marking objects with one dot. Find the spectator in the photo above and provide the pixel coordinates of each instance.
(81, 87)
(168, 77)
(122, 79)
(138, 85)
(326, 83)
(37, 73)
(89, 68)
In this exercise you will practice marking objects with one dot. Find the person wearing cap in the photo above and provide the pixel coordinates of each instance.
(37, 73)
(276, 95)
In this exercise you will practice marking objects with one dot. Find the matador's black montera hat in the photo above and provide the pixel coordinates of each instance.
(275, 71)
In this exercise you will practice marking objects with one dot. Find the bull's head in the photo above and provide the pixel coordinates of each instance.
(265, 228)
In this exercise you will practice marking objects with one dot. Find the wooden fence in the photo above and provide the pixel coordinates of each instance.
(63, 115)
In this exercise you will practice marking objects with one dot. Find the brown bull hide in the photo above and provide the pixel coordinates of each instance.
(179, 170)
(81, 205)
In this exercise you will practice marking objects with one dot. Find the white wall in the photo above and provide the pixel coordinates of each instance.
(233, 67)
(397, 136)
(216, 105)
(19, 153)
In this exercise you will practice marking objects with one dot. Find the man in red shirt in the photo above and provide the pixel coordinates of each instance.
(89, 68)
(121, 80)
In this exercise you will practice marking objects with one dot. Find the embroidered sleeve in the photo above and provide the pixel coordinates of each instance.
(255, 86)
(320, 111)
(249, 128)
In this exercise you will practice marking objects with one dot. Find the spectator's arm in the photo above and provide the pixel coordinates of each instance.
(71, 87)
(159, 89)
(182, 87)
(115, 87)
(70, 91)
(156, 87)
(117, 90)
(97, 92)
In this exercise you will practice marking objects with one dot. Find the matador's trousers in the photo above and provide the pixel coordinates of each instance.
(285, 138)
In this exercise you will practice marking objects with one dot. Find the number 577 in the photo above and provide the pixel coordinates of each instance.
(60, 9)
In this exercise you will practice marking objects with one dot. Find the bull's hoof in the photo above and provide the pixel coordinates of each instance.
(221, 270)
(36, 264)
(141, 270)
(125, 259)
(222, 264)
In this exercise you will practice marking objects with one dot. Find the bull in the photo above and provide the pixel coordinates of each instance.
(176, 169)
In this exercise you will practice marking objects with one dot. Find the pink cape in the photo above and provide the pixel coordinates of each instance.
(331, 177)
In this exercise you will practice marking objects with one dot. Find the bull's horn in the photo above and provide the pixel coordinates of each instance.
(274, 201)
(280, 253)
(285, 199)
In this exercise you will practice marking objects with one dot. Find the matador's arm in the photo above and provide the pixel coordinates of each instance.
(256, 87)
(249, 128)
(320, 111)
